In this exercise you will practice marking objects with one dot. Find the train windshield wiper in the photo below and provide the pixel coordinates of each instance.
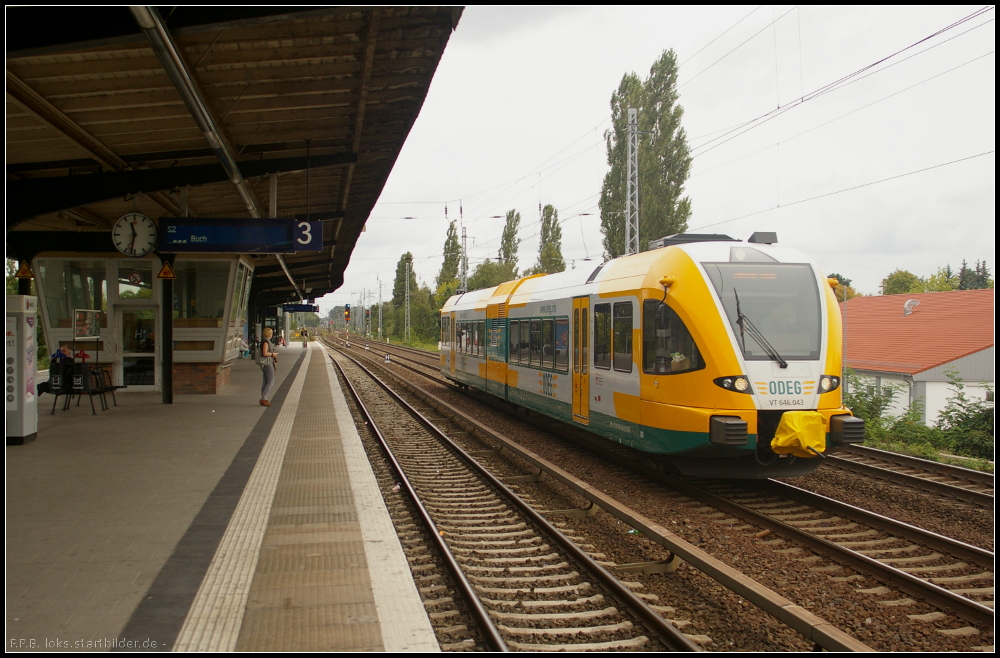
(746, 326)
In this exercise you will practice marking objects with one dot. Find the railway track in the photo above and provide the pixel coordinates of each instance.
(812, 627)
(531, 586)
(954, 482)
(947, 573)
(963, 484)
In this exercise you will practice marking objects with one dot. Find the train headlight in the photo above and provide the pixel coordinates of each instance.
(828, 383)
(736, 384)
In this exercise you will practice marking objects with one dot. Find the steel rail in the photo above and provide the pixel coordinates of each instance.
(963, 607)
(482, 617)
(951, 470)
(672, 638)
(911, 481)
(959, 549)
(824, 634)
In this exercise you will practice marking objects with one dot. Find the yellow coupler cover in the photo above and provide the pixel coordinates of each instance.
(799, 431)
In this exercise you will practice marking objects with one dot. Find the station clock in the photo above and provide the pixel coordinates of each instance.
(134, 234)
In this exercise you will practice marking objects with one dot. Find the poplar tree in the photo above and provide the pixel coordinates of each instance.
(664, 158)
(399, 284)
(447, 279)
(452, 257)
(509, 241)
(550, 258)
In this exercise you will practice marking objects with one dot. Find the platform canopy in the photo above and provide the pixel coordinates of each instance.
(113, 109)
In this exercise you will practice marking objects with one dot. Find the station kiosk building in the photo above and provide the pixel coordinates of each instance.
(210, 305)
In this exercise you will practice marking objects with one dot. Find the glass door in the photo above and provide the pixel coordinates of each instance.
(137, 347)
(581, 360)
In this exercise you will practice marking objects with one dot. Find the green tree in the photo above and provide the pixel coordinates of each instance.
(976, 278)
(509, 241)
(664, 158)
(942, 280)
(843, 285)
(901, 282)
(491, 273)
(550, 258)
(452, 257)
(447, 280)
(399, 284)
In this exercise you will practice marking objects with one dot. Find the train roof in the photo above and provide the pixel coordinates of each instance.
(631, 270)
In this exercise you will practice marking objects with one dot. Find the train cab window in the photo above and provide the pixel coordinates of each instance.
(602, 336)
(535, 344)
(623, 337)
(445, 330)
(562, 344)
(667, 345)
(513, 336)
(525, 341)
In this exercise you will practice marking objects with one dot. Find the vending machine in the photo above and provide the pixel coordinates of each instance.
(20, 368)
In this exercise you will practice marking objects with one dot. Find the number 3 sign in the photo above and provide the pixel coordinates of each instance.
(307, 236)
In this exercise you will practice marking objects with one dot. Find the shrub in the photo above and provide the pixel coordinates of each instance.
(967, 424)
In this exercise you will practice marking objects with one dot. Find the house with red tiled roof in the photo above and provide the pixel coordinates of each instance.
(910, 341)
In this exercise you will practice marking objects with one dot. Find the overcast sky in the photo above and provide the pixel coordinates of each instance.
(517, 110)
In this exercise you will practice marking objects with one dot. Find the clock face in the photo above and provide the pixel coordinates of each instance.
(134, 235)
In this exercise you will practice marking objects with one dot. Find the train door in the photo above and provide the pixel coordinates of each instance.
(581, 360)
(496, 349)
(453, 346)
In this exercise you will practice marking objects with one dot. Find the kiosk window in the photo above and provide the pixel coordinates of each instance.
(623, 336)
(200, 292)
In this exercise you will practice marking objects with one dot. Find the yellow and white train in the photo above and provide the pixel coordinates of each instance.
(721, 356)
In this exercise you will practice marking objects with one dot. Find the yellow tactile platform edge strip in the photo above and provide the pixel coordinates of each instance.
(402, 618)
(214, 619)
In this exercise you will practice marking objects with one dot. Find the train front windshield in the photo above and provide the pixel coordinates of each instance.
(780, 300)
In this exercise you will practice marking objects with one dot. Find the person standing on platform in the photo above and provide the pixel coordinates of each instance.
(305, 339)
(267, 359)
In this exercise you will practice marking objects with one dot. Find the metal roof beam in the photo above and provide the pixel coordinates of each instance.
(36, 196)
(50, 114)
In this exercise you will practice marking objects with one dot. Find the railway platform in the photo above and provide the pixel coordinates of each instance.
(213, 524)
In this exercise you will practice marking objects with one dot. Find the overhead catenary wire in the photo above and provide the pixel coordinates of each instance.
(841, 82)
(846, 189)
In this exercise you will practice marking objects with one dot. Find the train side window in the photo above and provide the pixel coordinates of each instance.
(481, 345)
(667, 345)
(459, 336)
(513, 335)
(602, 336)
(562, 344)
(535, 344)
(476, 338)
(525, 341)
(444, 331)
(548, 343)
(623, 337)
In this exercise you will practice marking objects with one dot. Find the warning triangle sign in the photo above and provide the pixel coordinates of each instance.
(24, 272)
(166, 272)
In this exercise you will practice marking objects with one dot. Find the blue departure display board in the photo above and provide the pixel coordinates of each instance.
(300, 308)
(241, 236)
